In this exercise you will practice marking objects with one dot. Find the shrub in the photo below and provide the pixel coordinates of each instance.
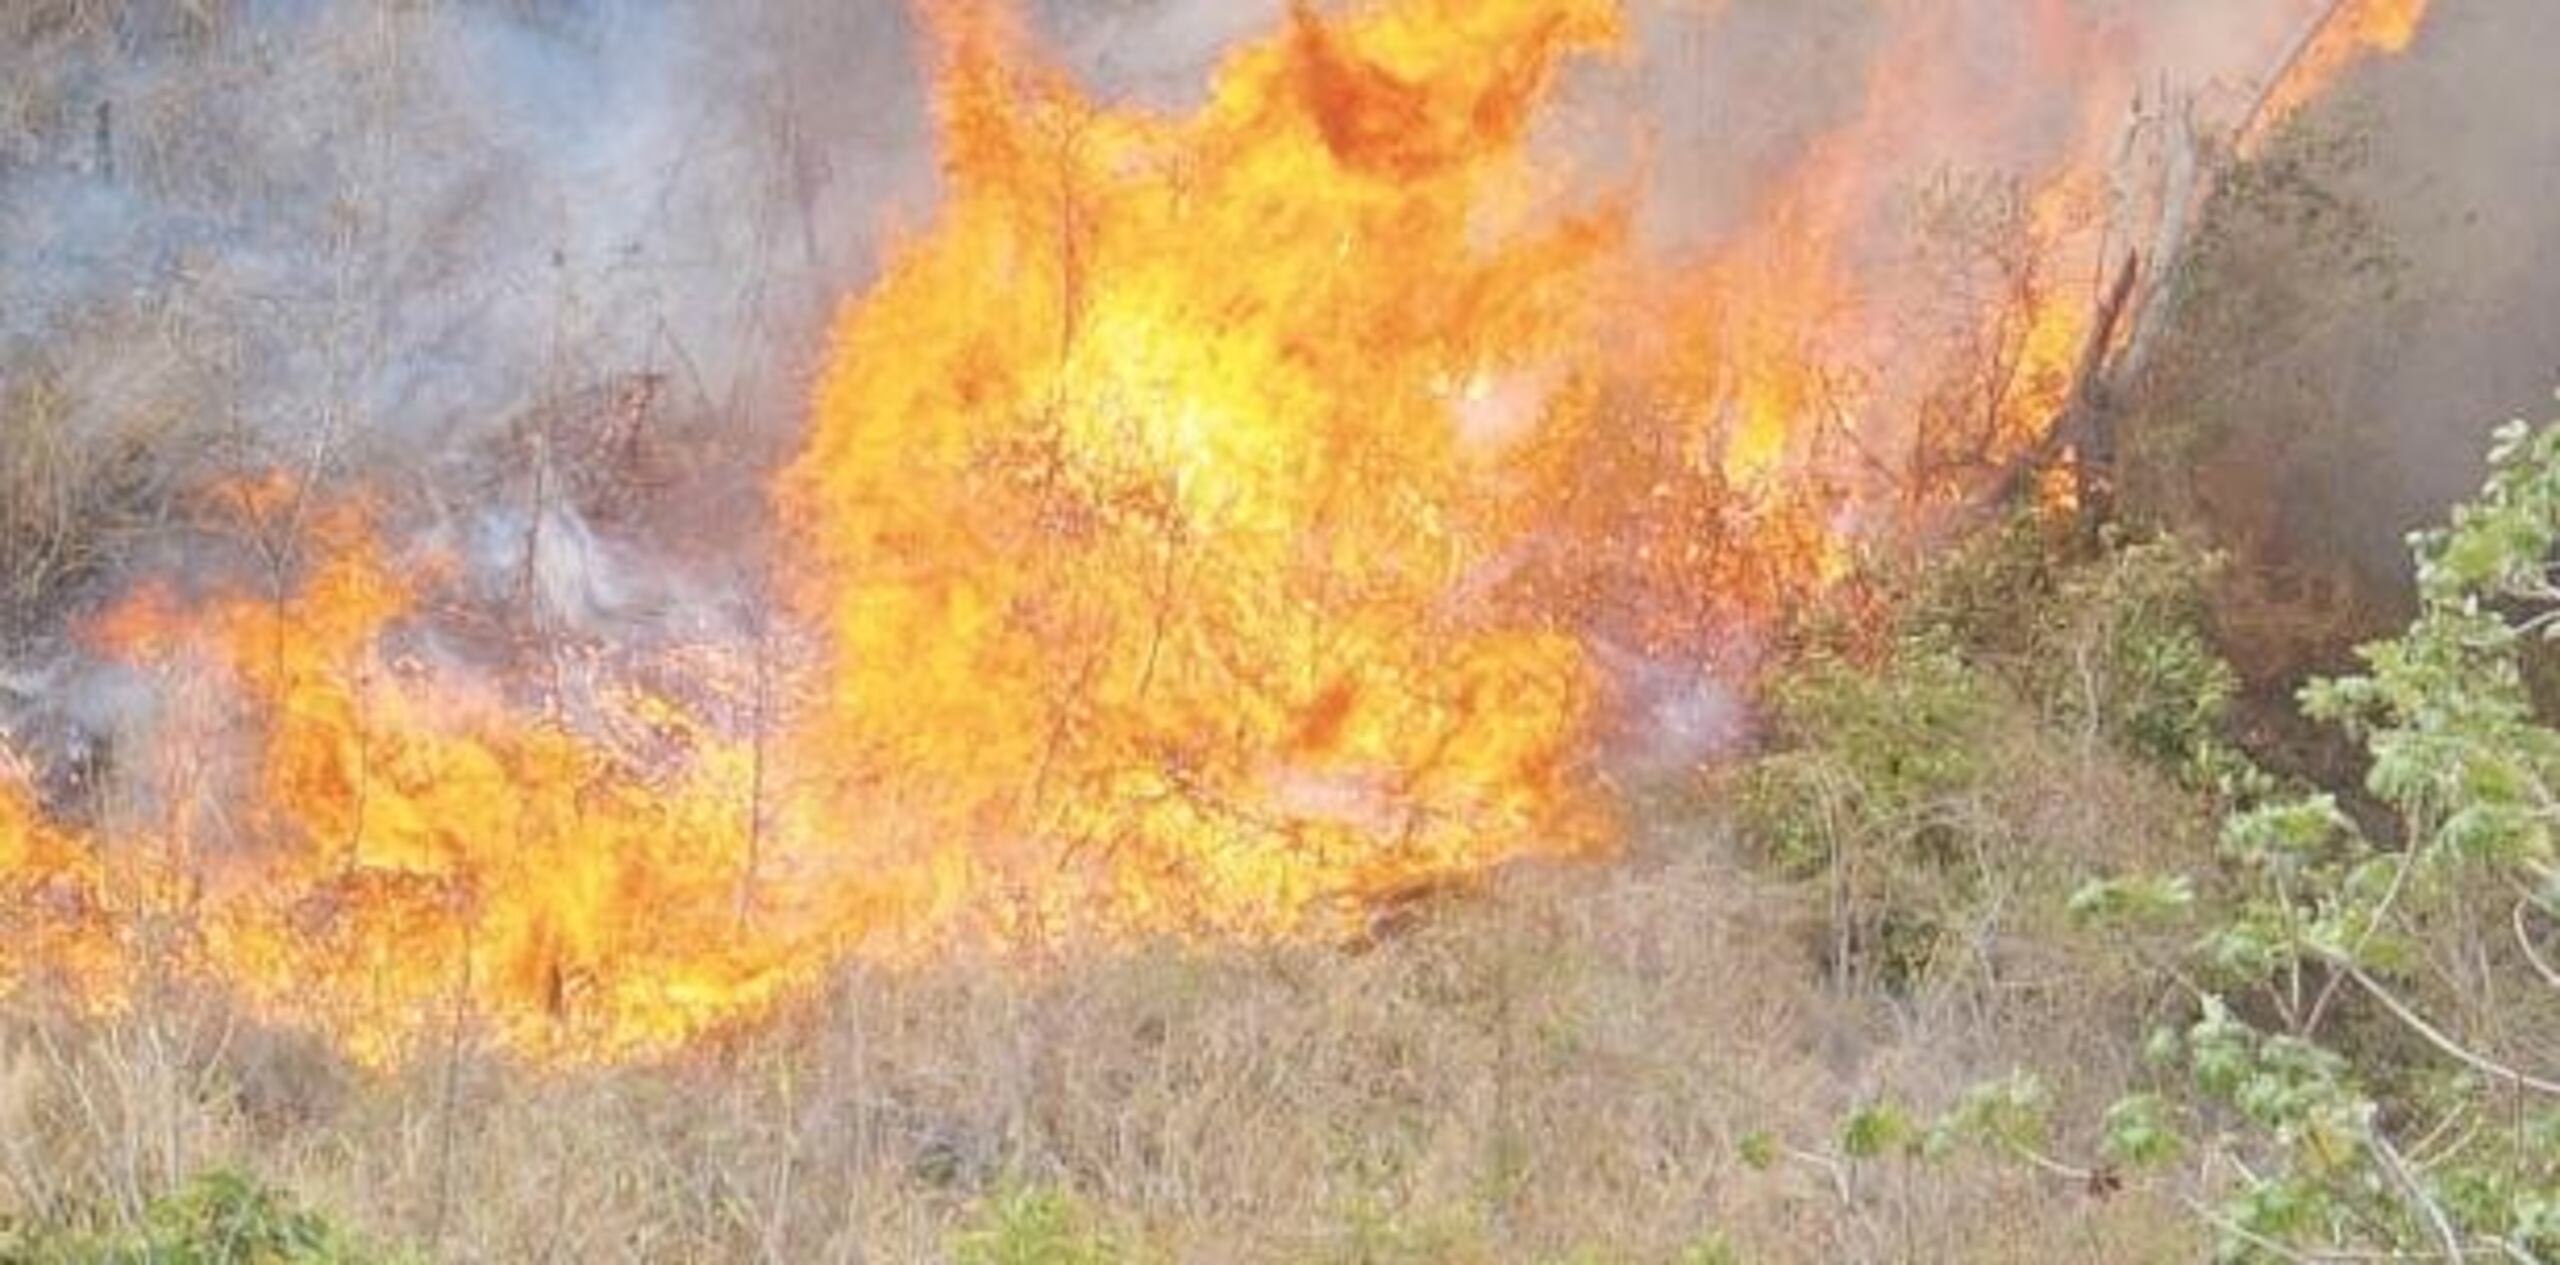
(2357, 1058)
(1963, 761)
(221, 1218)
(1874, 792)
(1034, 1225)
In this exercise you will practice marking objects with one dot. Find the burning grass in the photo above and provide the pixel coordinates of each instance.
(1212, 524)
(1218, 535)
(1580, 1062)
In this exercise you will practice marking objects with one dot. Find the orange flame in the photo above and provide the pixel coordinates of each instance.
(1144, 572)
(1209, 526)
(416, 849)
(52, 909)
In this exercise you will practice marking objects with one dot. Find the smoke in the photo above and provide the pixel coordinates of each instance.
(2463, 177)
(2370, 300)
(477, 263)
(381, 232)
(393, 226)
(424, 248)
(375, 245)
(524, 299)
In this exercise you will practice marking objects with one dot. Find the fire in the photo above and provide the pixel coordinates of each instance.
(51, 907)
(419, 852)
(2347, 32)
(1142, 579)
(1209, 526)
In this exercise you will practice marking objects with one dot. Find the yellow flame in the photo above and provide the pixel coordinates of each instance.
(1206, 527)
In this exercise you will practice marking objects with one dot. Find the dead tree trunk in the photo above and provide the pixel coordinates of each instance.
(2085, 429)
(2088, 423)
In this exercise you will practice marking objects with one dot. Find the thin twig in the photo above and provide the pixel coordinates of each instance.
(2439, 1040)
(2524, 940)
(2426, 1204)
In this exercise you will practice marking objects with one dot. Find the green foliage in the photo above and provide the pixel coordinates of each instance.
(1871, 793)
(1034, 1225)
(1877, 1130)
(2141, 1134)
(221, 1218)
(2116, 643)
(2010, 1113)
(2123, 648)
(2334, 1129)
(1378, 1235)
(1711, 1250)
(2140, 899)
(2351, 1068)
(1907, 778)
(1758, 1151)
(1866, 753)
(2444, 709)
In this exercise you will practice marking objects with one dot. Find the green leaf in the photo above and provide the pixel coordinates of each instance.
(1759, 1151)
(1872, 1131)
(2138, 1133)
(2137, 900)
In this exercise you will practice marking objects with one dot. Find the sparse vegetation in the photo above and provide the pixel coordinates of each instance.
(1579, 1062)
(1972, 979)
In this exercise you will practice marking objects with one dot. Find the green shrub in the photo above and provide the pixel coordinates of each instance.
(1921, 782)
(2122, 646)
(2118, 641)
(1872, 792)
(1035, 1225)
(1865, 752)
(2359, 1062)
(221, 1218)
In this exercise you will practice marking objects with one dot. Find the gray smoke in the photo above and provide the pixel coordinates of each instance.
(394, 243)
(357, 224)
(2374, 298)
(376, 232)
(2464, 180)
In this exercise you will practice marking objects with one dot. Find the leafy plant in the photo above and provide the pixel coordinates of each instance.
(1870, 794)
(2360, 1066)
(1915, 781)
(2342, 1076)
(221, 1218)
(1034, 1225)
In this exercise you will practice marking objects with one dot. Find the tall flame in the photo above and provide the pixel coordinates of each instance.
(1209, 525)
(1145, 573)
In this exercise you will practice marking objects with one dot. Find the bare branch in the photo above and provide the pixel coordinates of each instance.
(2524, 940)
(2436, 1037)
(2426, 1205)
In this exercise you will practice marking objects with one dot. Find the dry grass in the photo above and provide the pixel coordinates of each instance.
(76, 491)
(1567, 1067)
(1573, 1065)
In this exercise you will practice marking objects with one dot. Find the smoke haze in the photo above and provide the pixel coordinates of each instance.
(380, 241)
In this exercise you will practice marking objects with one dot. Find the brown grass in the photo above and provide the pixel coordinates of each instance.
(1566, 1067)
(1573, 1065)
